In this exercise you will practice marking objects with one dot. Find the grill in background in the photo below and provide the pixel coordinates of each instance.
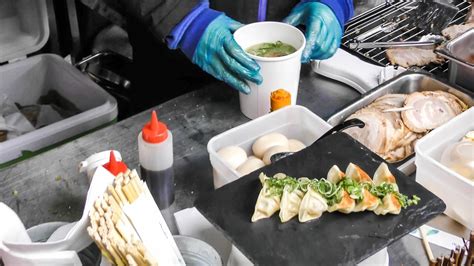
(395, 11)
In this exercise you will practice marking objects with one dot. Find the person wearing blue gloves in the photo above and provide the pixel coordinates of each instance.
(202, 31)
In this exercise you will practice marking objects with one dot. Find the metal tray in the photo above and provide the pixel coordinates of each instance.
(407, 82)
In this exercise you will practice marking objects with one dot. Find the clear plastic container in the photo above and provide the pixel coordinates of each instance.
(295, 122)
(455, 190)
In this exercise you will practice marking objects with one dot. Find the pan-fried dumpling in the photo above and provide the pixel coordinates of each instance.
(335, 175)
(369, 202)
(390, 204)
(312, 206)
(383, 175)
(346, 205)
(355, 173)
(290, 203)
(267, 204)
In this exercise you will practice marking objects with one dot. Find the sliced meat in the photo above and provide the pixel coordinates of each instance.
(395, 100)
(406, 148)
(374, 134)
(412, 56)
(454, 31)
(432, 109)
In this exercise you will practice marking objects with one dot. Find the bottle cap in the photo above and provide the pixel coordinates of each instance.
(279, 99)
(115, 167)
(154, 131)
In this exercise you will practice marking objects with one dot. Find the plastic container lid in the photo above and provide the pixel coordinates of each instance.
(154, 131)
(24, 28)
(115, 167)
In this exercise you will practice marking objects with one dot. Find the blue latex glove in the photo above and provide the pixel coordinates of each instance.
(323, 30)
(218, 54)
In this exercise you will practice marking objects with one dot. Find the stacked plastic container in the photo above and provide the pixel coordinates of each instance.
(24, 30)
(455, 190)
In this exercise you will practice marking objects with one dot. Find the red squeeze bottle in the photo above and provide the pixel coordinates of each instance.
(155, 152)
(115, 167)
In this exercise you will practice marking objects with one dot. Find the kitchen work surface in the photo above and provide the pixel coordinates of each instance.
(334, 238)
(49, 186)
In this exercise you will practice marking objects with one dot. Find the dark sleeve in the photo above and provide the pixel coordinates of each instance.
(160, 16)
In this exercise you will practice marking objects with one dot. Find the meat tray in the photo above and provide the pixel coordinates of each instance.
(407, 82)
(334, 238)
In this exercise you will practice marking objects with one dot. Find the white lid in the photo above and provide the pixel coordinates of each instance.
(24, 28)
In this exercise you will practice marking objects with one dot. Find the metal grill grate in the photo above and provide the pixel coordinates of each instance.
(396, 11)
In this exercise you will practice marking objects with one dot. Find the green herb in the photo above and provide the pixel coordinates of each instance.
(275, 186)
(355, 189)
(276, 49)
(303, 183)
(333, 192)
(405, 201)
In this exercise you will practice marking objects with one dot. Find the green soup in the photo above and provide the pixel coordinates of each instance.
(267, 49)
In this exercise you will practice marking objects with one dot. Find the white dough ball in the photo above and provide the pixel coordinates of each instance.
(252, 164)
(295, 145)
(273, 150)
(262, 144)
(234, 156)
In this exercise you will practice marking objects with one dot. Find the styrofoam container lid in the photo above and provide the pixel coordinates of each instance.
(24, 28)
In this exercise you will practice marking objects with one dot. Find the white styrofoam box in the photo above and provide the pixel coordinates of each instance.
(455, 190)
(23, 28)
(295, 122)
(27, 80)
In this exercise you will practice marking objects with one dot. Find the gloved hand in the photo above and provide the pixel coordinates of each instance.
(218, 54)
(323, 30)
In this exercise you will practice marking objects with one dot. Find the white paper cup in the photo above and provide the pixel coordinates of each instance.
(277, 72)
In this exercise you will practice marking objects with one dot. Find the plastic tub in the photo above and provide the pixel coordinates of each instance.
(455, 190)
(293, 121)
(277, 72)
(27, 80)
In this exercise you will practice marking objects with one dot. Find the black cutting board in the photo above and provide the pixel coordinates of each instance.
(334, 238)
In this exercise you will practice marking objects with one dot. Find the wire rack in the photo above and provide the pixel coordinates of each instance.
(399, 11)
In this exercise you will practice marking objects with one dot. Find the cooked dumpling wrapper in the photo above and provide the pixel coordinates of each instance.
(312, 206)
(335, 175)
(355, 173)
(390, 204)
(266, 204)
(383, 175)
(369, 202)
(346, 205)
(290, 203)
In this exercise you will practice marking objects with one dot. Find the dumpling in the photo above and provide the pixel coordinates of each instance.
(346, 205)
(312, 206)
(390, 204)
(290, 203)
(369, 202)
(355, 173)
(267, 204)
(335, 175)
(383, 175)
